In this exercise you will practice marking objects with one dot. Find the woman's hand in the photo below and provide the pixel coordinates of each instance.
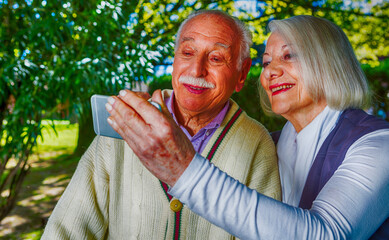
(153, 136)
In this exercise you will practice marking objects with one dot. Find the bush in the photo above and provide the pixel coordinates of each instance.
(378, 78)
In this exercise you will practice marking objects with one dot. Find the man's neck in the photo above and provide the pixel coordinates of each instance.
(194, 122)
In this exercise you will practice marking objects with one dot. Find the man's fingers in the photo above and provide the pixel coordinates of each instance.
(129, 122)
(157, 97)
(144, 95)
(146, 111)
(126, 121)
(127, 135)
(122, 116)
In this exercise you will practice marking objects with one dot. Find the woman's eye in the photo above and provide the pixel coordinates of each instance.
(289, 56)
(265, 64)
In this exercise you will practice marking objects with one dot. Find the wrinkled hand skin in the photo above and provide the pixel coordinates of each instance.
(153, 136)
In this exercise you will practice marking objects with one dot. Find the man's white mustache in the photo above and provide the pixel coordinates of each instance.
(198, 82)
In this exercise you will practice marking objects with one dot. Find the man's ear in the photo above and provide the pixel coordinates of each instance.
(246, 65)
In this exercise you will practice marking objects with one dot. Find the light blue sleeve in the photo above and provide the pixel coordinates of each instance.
(350, 206)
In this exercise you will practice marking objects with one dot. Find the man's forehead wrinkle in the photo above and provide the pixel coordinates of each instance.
(192, 39)
(191, 35)
(190, 31)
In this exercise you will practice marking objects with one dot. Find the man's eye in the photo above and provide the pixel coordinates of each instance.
(186, 53)
(216, 59)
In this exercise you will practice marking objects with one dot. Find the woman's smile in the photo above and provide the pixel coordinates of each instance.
(279, 88)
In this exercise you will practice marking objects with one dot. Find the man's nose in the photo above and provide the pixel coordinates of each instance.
(199, 68)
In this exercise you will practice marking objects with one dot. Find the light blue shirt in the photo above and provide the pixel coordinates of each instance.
(352, 205)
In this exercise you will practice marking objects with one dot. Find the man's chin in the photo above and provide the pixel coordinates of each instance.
(193, 106)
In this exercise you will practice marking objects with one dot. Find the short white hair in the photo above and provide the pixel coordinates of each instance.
(328, 65)
(244, 33)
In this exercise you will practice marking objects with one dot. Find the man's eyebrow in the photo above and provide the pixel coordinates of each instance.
(223, 45)
(185, 39)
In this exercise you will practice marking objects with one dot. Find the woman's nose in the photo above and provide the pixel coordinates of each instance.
(273, 71)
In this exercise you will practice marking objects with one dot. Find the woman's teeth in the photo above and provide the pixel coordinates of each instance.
(281, 88)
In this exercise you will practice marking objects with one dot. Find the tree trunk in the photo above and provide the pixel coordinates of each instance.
(86, 133)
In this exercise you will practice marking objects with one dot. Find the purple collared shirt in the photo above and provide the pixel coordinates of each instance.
(201, 138)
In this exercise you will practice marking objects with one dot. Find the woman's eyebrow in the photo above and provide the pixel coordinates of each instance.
(284, 46)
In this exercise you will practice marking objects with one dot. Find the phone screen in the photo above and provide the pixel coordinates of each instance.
(100, 115)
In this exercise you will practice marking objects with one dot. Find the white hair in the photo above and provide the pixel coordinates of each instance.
(328, 65)
(243, 32)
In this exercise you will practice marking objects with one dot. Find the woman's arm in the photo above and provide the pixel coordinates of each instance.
(352, 205)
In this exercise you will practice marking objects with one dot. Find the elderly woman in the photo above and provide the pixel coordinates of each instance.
(333, 157)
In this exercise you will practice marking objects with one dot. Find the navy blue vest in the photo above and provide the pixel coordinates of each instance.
(352, 125)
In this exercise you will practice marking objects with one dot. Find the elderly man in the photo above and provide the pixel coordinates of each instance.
(112, 195)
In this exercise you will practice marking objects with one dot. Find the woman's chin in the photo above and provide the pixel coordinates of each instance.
(279, 110)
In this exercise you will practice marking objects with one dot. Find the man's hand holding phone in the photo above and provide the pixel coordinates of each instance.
(154, 136)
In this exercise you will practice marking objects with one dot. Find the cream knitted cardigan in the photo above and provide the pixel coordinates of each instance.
(112, 196)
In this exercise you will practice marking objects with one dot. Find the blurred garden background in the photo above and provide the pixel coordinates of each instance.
(54, 55)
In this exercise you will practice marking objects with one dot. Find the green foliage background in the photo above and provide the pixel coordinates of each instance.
(55, 54)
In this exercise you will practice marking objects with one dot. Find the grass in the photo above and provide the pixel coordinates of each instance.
(62, 137)
(52, 166)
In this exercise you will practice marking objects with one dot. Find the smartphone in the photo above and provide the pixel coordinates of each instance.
(100, 115)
